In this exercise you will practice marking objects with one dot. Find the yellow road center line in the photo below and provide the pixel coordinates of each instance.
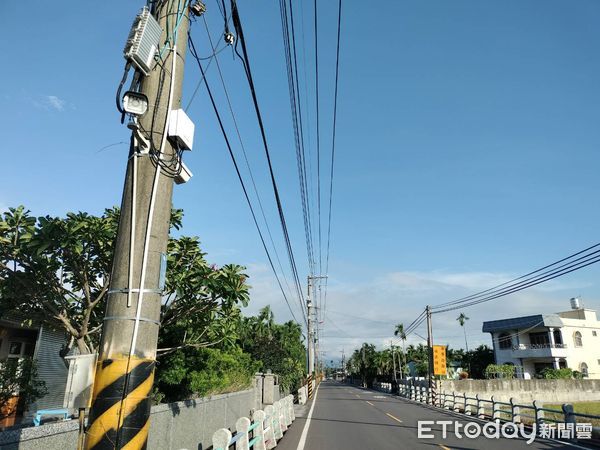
(444, 447)
(395, 418)
(370, 403)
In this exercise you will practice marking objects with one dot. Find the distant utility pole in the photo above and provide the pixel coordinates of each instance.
(120, 411)
(312, 318)
(393, 358)
(429, 347)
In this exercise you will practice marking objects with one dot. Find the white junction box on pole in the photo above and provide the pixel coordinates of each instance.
(181, 129)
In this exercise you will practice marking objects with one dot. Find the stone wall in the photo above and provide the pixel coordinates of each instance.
(525, 391)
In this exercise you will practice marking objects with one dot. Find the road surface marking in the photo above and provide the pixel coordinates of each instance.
(302, 442)
(358, 396)
(370, 403)
(444, 447)
(395, 418)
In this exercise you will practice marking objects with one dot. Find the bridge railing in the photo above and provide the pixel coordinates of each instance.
(260, 433)
(493, 409)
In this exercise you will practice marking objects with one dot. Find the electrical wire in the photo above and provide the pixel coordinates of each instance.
(530, 282)
(246, 63)
(243, 147)
(335, 99)
(295, 105)
(469, 297)
(316, 33)
(232, 155)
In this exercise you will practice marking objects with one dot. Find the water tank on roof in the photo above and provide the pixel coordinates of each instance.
(575, 303)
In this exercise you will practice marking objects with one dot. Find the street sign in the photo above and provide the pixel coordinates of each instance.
(439, 360)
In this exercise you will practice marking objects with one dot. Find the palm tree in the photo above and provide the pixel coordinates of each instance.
(265, 322)
(399, 331)
(461, 320)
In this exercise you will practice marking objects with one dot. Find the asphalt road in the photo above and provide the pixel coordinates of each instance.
(346, 417)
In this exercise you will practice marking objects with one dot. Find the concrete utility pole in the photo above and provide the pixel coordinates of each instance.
(312, 318)
(120, 411)
(393, 359)
(310, 344)
(429, 347)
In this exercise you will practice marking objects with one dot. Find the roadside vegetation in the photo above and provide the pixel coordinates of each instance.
(369, 365)
(56, 271)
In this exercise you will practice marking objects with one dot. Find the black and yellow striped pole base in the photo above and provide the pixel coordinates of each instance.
(120, 412)
(310, 386)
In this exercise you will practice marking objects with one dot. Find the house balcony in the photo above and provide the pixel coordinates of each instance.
(539, 350)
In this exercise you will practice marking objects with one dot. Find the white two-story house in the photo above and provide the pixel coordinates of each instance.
(565, 339)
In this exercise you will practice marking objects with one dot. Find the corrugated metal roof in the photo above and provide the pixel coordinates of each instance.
(517, 323)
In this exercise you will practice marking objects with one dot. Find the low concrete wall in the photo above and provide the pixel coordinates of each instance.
(182, 425)
(191, 424)
(525, 391)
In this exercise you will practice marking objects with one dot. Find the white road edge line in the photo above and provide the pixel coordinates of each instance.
(302, 442)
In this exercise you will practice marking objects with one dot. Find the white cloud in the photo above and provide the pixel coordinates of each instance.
(50, 103)
(55, 102)
(367, 311)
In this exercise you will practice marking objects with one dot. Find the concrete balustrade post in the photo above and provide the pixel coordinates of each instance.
(495, 411)
(281, 415)
(277, 421)
(270, 434)
(468, 407)
(242, 425)
(259, 431)
(285, 407)
(269, 388)
(221, 439)
(291, 406)
(480, 409)
(453, 401)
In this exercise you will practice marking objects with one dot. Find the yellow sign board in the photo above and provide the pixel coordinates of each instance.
(439, 360)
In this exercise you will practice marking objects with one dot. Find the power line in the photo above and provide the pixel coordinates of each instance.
(335, 98)
(243, 147)
(316, 32)
(460, 300)
(231, 154)
(295, 104)
(246, 62)
(493, 293)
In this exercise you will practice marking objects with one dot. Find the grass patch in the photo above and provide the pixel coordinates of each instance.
(579, 407)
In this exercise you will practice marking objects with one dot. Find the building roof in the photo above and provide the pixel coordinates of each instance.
(545, 320)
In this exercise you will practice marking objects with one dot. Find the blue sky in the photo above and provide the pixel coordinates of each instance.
(467, 147)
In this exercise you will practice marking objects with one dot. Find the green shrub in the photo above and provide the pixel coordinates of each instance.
(193, 373)
(20, 377)
(504, 371)
(557, 374)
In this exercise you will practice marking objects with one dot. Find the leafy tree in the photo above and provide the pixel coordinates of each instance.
(477, 360)
(363, 364)
(277, 347)
(201, 301)
(57, 270)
